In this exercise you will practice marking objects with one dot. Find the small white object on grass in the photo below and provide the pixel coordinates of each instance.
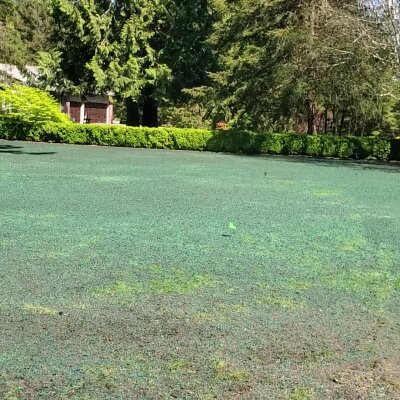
(232, 226)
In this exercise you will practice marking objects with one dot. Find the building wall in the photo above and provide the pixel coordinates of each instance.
(96, 113)
(75, 111)
(94, 110)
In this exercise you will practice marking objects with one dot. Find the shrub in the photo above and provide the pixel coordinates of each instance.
(345, 148)
(234, 141)
(26, 105)
(14, 131)
(273, 143)
(296, 144)
(313, 146)
(191, 139)
(227, 141)
(112, 135)
(329, 145)
(371, 147)
(201, 139)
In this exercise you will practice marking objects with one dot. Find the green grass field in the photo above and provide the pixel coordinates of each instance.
(122, 276)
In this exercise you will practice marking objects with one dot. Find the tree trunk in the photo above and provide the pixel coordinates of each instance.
(342, 122)
(352, 127)
(150, 113)
(363, 127)
(312, 123)
(132, 112)
(335, 122)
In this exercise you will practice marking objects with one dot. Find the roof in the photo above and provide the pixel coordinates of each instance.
(28, 75)
(15, 73)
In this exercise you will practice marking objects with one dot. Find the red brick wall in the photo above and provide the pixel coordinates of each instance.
(75, 111)
(96, 113)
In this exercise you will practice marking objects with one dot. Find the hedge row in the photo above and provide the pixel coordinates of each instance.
(317, 146)
(202, 139)
(109, 135)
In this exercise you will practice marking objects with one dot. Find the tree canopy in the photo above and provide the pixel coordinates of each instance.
(310, 66)
(313, 66)
(25, 28)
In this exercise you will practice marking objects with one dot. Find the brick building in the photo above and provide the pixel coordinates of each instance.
(96, 109)
(90, 110)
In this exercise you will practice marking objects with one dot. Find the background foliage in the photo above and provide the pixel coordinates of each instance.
(306, 66)
(20, 104)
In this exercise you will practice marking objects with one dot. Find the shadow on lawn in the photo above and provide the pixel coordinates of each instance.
(16, 150)
(391, 167)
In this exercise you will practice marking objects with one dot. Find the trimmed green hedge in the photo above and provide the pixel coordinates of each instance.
(201, 139)
(316, 146)
(110, 135)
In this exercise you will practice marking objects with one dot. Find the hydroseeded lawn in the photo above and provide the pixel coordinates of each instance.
(121, 276)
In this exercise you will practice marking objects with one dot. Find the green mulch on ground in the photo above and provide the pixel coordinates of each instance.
(144, 274)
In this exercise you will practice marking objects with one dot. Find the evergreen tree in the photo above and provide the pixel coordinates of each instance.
(145, 51)
(311, 65)
(25, 28)
(106, 46)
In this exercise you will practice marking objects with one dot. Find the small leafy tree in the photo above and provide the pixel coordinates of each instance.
(22, 104)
